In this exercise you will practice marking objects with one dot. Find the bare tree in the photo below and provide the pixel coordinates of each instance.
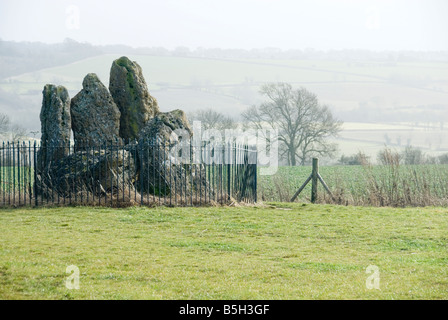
(211, 119)
(412, 155)
(17, 133)
(303, 124)
(4, 123)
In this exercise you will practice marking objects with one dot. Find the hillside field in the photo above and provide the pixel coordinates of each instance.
(274, 251)
(396, 103)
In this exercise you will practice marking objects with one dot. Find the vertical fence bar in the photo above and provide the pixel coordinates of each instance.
(175, 172)
(184, 177)
(130, 159)
(191, 167)
(195, 166)
(25, 172)
(64, 191)
(213, 176)
(153, 149)
(171, 175)
(124, 169)
(88, 177)
(51, 178)
(36, 199)
(28, 171)
(2, 173)
(60, 150)
(70, 177)
(13, 173)
(165, 150)
(141, 173)
(110, 171)
(200, 164)
(148, 186)
(99, 187)
(256, 177)
(136, 162)
(75, 176)
(228, 170)
(159, 141)
(19, 182)
(118, 173)
(2, 176)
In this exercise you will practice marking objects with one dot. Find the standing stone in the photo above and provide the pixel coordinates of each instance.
(130, 92)
(164, 124)
(163, 147)
(95, 116)
(55, 125)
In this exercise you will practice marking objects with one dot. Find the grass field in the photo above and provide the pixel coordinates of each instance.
(404, 185)
(278, 251)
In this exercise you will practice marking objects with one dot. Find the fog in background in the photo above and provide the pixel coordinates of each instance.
(285, 24)
(384, 62)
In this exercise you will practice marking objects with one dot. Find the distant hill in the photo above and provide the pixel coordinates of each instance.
(20, 57)
(359, 86)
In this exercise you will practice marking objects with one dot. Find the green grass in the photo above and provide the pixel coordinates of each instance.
(13, 178)
(280, 251)
(410, 185)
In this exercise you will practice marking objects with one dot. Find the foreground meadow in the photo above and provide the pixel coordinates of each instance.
(275, 251)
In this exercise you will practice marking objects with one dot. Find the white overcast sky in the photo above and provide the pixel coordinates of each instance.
(245, 24)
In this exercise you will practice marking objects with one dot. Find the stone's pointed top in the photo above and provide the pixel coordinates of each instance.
(95, 116)
(54, 88)
(130, 92)
(92, 80)
(125, 62)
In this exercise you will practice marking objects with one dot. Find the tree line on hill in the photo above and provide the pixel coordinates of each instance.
(410, 155)
(22, 57)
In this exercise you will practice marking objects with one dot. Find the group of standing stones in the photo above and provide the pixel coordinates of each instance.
(124, 116)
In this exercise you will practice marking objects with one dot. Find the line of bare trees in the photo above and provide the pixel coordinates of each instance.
(410, 155)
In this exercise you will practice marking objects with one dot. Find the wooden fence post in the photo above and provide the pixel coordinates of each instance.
(315, 177)
(314, 180)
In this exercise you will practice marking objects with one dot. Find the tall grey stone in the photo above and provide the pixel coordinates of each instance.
(163, 147)
(55, 125)
(95, 116)
(130, 92)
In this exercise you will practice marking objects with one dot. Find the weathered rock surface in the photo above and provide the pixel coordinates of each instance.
(95, 116)
(55, 125)
(96, 172)
(130, 92)
(164, 124)
(165, 166)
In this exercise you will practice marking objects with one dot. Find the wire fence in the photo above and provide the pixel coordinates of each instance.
(146, 172)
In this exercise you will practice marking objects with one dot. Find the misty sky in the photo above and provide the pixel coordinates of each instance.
(245, 24)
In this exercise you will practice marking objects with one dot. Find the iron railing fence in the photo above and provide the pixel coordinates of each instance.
(146, 172)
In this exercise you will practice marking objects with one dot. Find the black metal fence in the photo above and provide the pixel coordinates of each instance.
(148, 172)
